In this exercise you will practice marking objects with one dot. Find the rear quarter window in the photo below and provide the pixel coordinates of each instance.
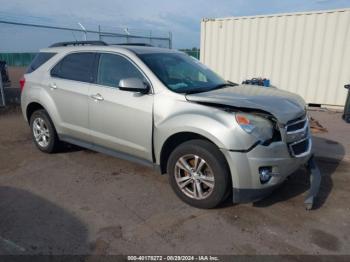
(40, 59)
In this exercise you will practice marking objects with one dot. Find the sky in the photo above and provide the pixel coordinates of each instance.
(181, 17)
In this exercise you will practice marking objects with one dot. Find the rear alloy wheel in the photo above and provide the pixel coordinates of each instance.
(199, 174)
(43, 132)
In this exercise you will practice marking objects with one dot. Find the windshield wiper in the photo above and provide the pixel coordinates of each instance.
(202, 90)
(198, 90)
(232, 83)
(223, 85)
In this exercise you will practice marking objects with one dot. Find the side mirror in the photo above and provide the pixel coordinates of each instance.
(133, 85)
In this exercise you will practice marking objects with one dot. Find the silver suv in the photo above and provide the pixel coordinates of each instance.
(162, 108)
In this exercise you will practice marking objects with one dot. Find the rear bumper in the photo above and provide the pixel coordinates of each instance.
(244, 168)
(24, 105)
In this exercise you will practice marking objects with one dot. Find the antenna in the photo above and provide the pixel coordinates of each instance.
(82, 27)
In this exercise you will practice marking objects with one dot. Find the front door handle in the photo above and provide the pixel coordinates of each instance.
(53, 86)
(97, 97)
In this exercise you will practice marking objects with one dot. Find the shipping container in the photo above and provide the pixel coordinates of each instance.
(306, 53)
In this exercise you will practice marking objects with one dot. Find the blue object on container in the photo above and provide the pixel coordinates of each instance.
(266, 82)
(257, 81)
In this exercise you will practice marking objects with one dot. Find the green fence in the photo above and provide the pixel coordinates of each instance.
(17, 59)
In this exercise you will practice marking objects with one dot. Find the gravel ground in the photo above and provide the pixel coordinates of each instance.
(82, 202)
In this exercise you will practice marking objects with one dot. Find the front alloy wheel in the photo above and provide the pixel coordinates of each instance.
(199, 174)
(194, 177)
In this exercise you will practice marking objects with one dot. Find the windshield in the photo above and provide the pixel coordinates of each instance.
(182, 73)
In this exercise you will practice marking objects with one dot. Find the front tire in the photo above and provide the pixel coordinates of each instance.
(199, 174)
(43, 132)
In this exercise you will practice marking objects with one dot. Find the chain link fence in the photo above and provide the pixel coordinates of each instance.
(132, 35)
(19, 42)
(193, 53)
(18, 37)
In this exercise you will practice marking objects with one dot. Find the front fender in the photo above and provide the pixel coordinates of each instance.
(189, 123)
(174, 116)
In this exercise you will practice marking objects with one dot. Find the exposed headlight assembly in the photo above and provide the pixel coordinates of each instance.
(257, 126)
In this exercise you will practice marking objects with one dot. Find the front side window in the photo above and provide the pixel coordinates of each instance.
(181, 73)
(77, 66)
(112, 68)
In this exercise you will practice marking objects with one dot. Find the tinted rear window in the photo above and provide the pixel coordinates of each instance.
(39, 60)
(77, 66)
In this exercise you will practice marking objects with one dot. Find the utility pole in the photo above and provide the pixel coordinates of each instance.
(170, 40)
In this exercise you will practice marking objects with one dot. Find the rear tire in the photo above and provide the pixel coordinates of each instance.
(199, 174)
(43, 132)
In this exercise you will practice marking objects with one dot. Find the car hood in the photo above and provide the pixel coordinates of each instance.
(284, 105)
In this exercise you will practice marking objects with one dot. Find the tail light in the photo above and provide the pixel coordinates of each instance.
(22, 83)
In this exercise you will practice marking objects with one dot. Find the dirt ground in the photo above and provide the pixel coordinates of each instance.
(82, 202)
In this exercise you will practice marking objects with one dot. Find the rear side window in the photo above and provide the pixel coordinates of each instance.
(77, 66)
(39, 60)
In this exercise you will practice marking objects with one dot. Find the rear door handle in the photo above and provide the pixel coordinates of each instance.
(53, 86)
(97, 97)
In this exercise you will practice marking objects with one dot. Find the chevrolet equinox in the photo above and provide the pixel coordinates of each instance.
(162, 108)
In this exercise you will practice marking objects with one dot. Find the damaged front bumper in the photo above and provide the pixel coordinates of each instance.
(278, 160)
(315, 182)
(245, 170)
(246, 167)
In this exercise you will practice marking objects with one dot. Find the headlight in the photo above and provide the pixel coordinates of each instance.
(257, 126)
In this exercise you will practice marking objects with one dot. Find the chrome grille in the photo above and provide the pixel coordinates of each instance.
(301, 148)
(297, 125)
(298, 137)
(297, 130)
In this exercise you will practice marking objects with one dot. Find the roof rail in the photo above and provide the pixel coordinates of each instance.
(75, 43)
(134, 44)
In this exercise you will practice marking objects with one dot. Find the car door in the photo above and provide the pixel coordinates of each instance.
(69, 83)
(120, 120)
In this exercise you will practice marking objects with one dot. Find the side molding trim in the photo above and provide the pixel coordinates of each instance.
(108, 151)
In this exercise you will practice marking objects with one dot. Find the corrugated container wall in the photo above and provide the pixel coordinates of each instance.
(305, 53)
